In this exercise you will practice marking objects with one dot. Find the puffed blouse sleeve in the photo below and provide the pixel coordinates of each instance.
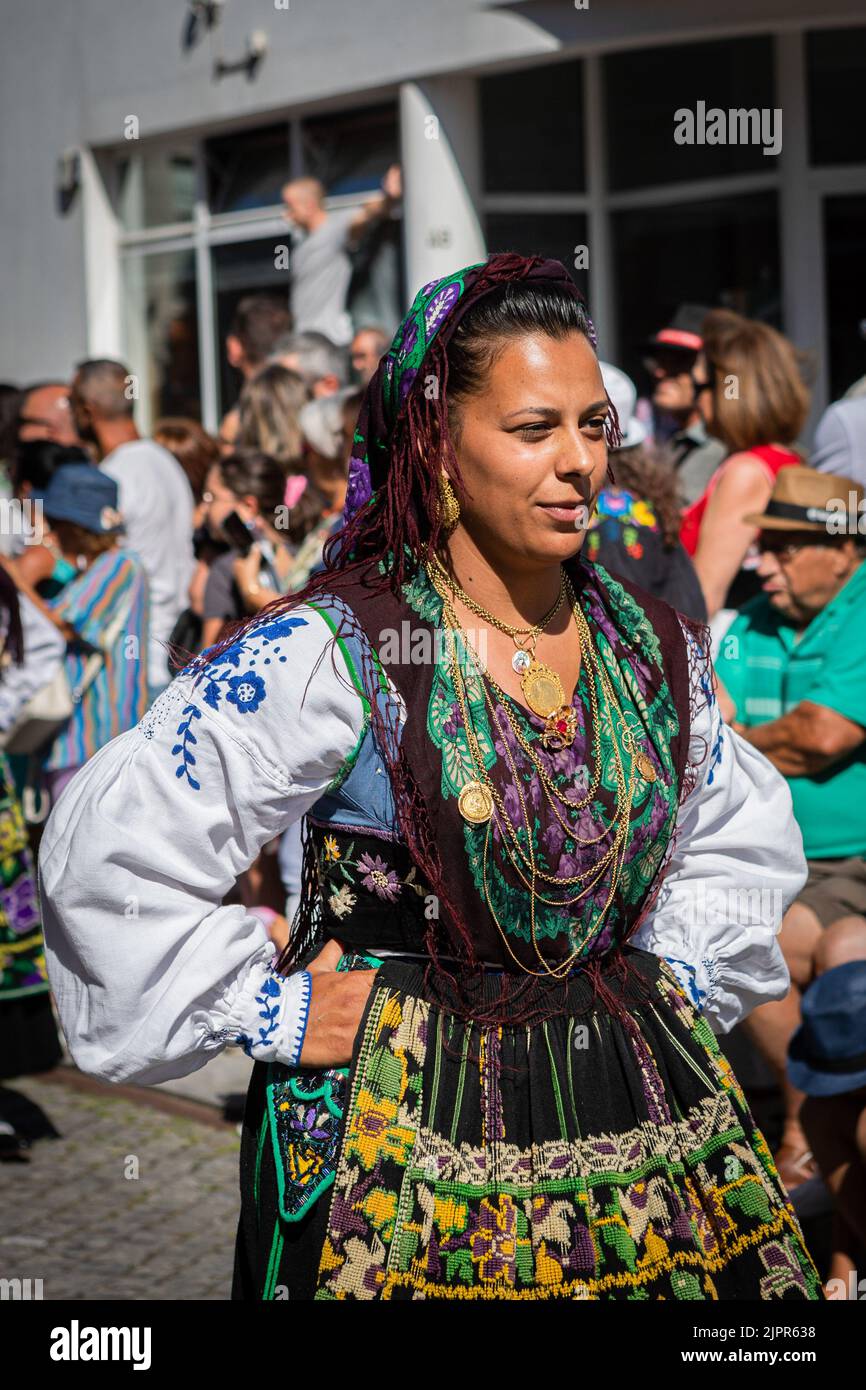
(153, 975)
(736, 866)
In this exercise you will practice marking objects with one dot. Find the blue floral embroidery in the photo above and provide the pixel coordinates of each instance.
(716, 753)
(222, 679)
(306, 995)
(187, 737)
(270, 1013)
(712, 703)
(687, 979)
(246, 692)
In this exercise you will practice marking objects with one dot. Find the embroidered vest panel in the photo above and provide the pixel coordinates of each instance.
(369, 887)
(372, 891)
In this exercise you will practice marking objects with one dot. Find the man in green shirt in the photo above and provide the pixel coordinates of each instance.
(793, 670)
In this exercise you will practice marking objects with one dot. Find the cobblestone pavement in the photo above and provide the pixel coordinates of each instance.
(73, 1218)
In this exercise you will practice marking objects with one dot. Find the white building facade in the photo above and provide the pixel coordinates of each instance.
(141, 192)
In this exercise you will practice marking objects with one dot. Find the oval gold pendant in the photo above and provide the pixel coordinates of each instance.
(475, 803)
(542, 690)
(645, 767)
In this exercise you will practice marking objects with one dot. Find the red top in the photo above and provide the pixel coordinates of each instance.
(773, 459)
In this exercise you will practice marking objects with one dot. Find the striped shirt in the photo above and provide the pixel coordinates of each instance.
(117, 697)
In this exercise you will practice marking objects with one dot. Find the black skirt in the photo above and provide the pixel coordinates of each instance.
(597, 1155)
(29, 1042)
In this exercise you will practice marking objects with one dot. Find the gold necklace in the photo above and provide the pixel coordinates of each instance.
(552, 793)
(540, 684)
(562, 967)
(477, 806)
(484, 788)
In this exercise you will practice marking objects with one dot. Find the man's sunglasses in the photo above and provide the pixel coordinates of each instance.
(701, 383)
(779, 543)
(669, 363)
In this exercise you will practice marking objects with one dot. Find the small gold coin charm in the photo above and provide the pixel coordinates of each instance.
(475, 803)
(542, 690)
(645, 767)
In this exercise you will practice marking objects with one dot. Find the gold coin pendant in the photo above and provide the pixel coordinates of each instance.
(645, 767)
(542, 690)
(475, 803)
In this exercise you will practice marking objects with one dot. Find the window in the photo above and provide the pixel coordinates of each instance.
(211, 209)
(247, 169)
(350, 152)
(161, 333)
(732, 260)
(645, 87)
(836, 63)
(239, 269)
(557, 235)
(845, 262)
(532, 130)
(156, 187)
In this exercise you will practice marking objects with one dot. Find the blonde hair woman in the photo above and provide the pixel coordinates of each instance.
(269, 408)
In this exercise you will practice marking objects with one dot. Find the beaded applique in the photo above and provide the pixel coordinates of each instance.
(304, 1113)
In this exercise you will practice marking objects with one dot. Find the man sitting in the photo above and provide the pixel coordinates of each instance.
(793, 668)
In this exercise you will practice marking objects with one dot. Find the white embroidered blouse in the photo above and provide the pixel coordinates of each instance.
(153, 975)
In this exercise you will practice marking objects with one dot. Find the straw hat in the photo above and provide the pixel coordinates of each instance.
(806, 500)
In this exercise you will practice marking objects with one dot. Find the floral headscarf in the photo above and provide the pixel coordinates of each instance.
(435, 313)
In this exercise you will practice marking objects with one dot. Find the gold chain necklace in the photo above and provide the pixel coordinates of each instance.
(481, 789)
(589, 660)
(478, 808)
(540, 684)
(597, 869)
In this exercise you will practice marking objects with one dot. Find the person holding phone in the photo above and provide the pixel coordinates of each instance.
(246, 496)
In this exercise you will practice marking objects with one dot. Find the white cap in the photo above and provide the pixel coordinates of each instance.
(623, 393)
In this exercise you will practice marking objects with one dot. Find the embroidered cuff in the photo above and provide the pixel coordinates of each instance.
(306, 985)
(687, 974)
(271, 1016)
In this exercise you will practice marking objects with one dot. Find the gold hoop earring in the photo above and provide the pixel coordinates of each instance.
(448, 502)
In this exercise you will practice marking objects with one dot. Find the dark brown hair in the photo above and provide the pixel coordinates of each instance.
(258, 321)
(195, 450)
(76, 540)
(248, 473)
(655, 482)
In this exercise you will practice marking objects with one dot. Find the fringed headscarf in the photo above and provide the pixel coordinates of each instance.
(436, 311)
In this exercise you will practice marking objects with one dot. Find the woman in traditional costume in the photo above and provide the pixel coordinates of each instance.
(540, 873)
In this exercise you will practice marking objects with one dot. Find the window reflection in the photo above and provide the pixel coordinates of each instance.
(247, 168)
(732, 259)
(844, 220)
(239, 269)
(645, 87)
(156, 187)
(532, 130)
(350, 151)
(836, 62)
(161, 333)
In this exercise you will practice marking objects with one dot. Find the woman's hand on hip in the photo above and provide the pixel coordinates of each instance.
(337, 1002)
